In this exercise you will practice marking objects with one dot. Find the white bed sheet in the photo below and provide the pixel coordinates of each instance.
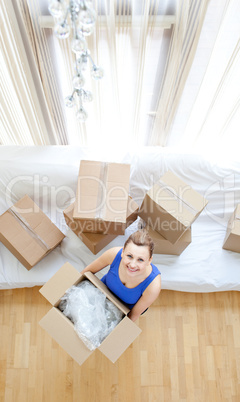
(49, 176)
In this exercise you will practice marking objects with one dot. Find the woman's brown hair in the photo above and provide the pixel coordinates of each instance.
(141, 238)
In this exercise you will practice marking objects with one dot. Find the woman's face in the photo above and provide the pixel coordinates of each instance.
(135, 259)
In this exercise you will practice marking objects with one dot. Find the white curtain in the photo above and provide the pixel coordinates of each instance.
(22, 119)
(215, 118)
(157, 90)
(30, 112)
(189, 21)
(129, 42)
(208, 117)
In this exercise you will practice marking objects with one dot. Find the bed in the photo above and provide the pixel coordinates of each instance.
(48, 174)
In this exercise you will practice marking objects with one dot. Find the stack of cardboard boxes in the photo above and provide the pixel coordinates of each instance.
(102, 209)
(168, 210)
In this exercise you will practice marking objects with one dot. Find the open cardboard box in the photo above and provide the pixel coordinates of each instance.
(171, 206)
(232, 238)
(28, 233)
(102, 197)
(62, 329)
(97, 241)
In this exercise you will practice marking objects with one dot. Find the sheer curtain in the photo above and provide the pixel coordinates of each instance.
(22, 115)
(127, 43)
(208, 117)
(166, 83)
(215, 118)
(31, 108)
(189, 21)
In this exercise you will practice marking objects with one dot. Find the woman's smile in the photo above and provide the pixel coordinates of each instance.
(132, 269)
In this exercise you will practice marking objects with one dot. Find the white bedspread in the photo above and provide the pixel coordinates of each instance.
(49, 176)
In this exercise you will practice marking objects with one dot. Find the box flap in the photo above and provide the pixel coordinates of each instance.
(184, 191)
(57, 285)
(102, 187)
(100, 285)
(19, 241)
(90, 168)
(29, 230)
(119, 339)
(37, 221)
(132, 210)
(63, 332)
(118, 172)
(156, 236)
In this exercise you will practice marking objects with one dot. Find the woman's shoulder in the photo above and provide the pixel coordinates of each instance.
(154, 287)
(115, 249)
(112, 252)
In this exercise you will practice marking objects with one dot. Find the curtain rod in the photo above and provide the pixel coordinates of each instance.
(159, 21)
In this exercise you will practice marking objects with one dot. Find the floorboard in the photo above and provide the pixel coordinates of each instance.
(189, 350)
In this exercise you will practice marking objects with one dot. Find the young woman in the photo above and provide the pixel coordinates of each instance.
(132, 277)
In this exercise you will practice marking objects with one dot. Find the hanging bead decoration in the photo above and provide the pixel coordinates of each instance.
(79, 17)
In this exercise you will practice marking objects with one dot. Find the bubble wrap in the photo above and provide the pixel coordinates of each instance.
(93, 315)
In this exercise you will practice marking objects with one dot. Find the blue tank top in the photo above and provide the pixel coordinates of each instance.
(127, 295)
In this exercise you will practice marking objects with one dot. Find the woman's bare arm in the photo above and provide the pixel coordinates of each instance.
(149, 295)
(103, 261)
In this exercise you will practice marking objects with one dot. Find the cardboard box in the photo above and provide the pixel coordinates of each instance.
(102, 197)
(171, 206)
(28, 233)
(62, 329)
(232, 238)
(97, 241)
(164, 246)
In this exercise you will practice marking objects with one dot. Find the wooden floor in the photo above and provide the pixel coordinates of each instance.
(189, 350)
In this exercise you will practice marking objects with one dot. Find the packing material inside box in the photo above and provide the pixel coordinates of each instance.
(171, 206)
(28, 233)
(102, 197)
(62, 329)
(93, 315)
(232, 238)
(97, 241)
